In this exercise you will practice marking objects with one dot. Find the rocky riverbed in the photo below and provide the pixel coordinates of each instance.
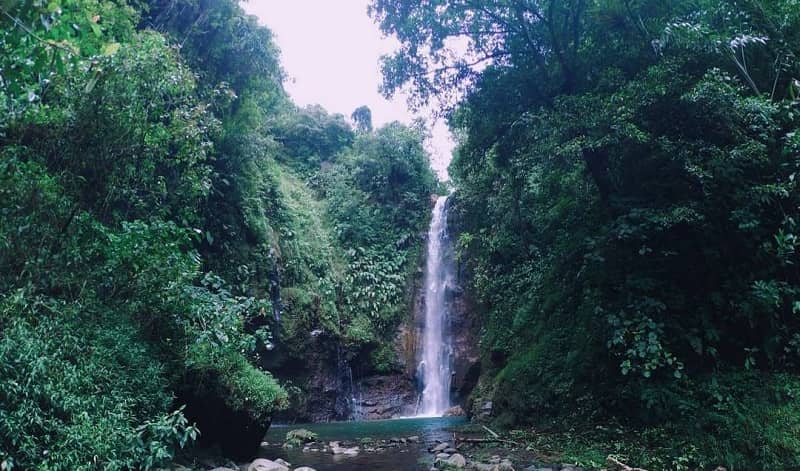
(422, 444)
(396, 453)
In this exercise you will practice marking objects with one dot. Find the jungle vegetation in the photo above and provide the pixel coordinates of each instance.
(167, 216)
(627, 200)
(172, 226)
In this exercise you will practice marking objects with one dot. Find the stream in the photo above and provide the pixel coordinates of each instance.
(403, 457)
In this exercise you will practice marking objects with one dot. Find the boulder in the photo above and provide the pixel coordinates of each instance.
(235, 430)
(457, 461)
(337, 449)
(506, 465)
(262, 464)
(304, 468)
(440, 447)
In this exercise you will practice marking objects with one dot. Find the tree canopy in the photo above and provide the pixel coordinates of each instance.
(626, 201)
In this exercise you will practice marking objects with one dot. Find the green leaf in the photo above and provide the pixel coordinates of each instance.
(110, 49)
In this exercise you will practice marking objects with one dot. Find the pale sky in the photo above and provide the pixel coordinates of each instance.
(330, 50)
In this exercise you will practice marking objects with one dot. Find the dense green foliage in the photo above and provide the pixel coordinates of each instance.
(627, 201)
(167, 217)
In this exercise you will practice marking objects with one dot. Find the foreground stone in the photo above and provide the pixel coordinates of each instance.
(440, 447)
(337, 449)
(262, 464)
(457, 461)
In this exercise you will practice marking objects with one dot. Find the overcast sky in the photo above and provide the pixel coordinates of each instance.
(330, 51)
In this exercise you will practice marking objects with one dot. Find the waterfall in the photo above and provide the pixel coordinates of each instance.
(436, 348)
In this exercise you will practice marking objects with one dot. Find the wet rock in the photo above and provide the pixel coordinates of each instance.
(413, 439)
(304, 468)
(450, 450)
(337, 449)
(455, 411)
(457, 461)
(440, 447)
(215, 469)
(442, 456)
(506, 465)
(385, 396)
(284, 463)
(262, 464)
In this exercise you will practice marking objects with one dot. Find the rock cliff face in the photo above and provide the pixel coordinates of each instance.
(325, 385)
(329, 386)
(464, 331)
(397, 394)
(466, 354)
(316, 385)
(385, 397)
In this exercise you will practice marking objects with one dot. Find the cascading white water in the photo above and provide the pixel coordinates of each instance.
(435, 363)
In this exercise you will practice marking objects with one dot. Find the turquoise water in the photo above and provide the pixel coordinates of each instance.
(409, 457)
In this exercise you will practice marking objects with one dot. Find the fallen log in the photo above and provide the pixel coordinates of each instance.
(495, 435)
(486, 440)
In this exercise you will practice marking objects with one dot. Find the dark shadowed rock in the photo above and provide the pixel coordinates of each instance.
(386, 397)
(237, 432)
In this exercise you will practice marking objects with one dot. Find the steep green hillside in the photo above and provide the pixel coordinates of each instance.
(169, 222)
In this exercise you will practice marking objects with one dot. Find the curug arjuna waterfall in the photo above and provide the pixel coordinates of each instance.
(436, 344)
